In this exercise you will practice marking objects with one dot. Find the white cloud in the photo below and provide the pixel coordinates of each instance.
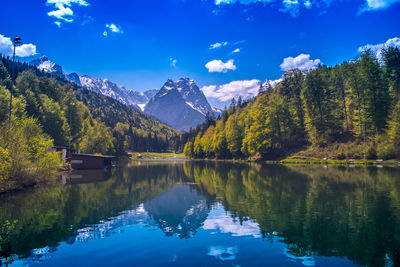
(5, 45)
(307, 4)
(272, 83)
(287, 6)
(371, 5)
(301, 62)
(6, 48)
(25, 50)
(234, 89)
(63, 11)
(237, 50)
(377, 48)
(218, 45)
(114, 28)
(291, 6)
(173, 62)
(217, 65)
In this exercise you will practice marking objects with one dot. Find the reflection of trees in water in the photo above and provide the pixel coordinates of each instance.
(49, 214)
(332, 212)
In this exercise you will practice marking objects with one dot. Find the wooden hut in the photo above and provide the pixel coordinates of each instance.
(90, 161)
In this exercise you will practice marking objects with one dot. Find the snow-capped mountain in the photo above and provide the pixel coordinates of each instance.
(44, 64)
(108, 88)
(118, 92)
(193, 96)
(101, 86)
(142, 98)
(180, 104)
(169, 107)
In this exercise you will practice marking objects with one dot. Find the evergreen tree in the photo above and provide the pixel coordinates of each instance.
(394, 127)
(375, 92)
(319, 104)
(391, 59)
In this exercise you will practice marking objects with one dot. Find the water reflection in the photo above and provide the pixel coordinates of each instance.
(220, 221)
(180, 211)
(228, 214)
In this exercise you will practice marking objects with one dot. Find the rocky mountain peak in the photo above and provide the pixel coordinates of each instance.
(180, 103)
(74, 77)
(45, 64)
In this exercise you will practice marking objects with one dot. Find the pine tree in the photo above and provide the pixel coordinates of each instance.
(394, 127)
(391, 59)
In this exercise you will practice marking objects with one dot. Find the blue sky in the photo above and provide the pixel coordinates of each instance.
(227, 46)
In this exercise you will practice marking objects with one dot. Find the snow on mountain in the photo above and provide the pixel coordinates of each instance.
(44, 64)
(193, 95)
(118, 92)
(101, 86)
(169, 107)
(180, 104)
(105, 87)
(217, 111)
(142, 98)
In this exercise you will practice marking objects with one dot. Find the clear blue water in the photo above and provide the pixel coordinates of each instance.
(207, 214)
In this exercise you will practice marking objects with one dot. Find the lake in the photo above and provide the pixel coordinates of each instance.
(183, 213)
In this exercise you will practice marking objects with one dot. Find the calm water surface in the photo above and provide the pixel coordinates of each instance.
(207, 214)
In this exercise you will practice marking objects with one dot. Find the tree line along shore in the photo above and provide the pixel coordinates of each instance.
(337, 113)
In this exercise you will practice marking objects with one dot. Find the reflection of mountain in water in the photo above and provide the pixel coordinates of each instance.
(113, 225)
(182, 210)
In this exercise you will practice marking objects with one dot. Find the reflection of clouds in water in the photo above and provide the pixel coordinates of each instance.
(41, 254)
(307, 260)
(223, 253)
(218, 219)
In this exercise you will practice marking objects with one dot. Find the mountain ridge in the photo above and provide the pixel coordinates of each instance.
(99, 85)
(194, 100)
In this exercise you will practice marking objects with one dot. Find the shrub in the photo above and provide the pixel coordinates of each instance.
(25, 156)
(385, 148)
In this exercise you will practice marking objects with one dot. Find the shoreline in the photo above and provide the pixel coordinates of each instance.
(310, 162)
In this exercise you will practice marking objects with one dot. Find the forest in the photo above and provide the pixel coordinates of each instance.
(325, 112)
(48, 111)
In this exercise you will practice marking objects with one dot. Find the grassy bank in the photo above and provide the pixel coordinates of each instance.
(348, 153)
(301, 160)
(312, 160)
(153, 155)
